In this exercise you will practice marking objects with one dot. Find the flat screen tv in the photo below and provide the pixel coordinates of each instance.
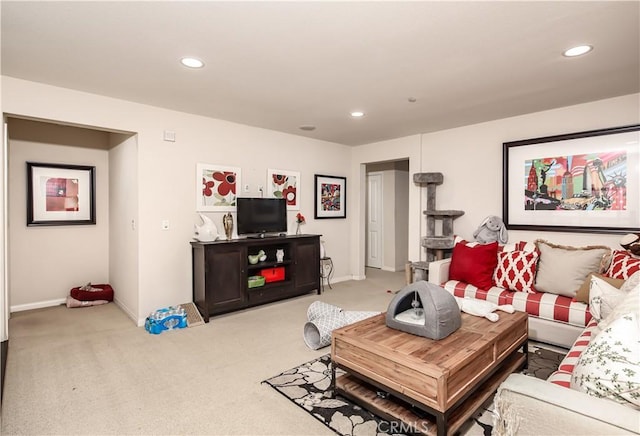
(261, 217)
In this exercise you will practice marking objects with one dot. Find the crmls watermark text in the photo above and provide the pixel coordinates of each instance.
(401, 428)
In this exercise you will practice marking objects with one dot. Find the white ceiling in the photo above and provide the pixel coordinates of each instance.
(280, 65)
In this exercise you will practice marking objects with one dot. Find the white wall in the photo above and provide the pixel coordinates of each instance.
(388, 220)
(396, 149)
(166, 173)
(123, 222)
(4, 288)
(166, 176)
(395, 221)
(45, 262)
(471, 160)
(401, 218)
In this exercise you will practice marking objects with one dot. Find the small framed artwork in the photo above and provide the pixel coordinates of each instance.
(60, 195)
(284, 184)
(330, 197)
(578, 182)
(216, 187)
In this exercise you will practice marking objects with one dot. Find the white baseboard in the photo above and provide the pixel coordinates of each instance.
(38, 305)
(335, 280)
(61, 301)
(129, 313)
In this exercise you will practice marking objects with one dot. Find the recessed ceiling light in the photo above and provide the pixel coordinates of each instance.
(307, 127)
(357, 114)
(577, 51)
(192, 62)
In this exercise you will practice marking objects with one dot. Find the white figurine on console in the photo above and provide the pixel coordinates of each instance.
(482, 308)
(206, 232)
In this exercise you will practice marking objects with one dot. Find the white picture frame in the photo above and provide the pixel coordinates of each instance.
(284, 184)
(217, 187)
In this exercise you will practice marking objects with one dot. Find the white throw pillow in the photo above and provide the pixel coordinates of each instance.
(603, 298)
(631, 282)
(610, 365)
(630, 303)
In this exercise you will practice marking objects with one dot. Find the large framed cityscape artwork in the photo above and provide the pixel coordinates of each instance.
(578, 182)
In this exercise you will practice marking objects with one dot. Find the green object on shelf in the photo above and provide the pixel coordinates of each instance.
(256, 281)
(255, 258)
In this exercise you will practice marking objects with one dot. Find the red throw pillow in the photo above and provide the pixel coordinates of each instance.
(516, 270)
(622, 265)
(474, 264)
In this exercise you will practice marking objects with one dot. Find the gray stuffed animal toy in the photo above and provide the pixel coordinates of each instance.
(492, 229)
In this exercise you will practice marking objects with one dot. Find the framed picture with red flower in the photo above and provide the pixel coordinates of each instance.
(330, 197)
(284, 184)
(216, 187)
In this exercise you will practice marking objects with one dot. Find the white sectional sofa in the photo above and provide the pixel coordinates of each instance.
(560, 405)
(526, 405)
(554, 318)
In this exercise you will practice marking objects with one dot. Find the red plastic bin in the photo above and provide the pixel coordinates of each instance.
(273, 274)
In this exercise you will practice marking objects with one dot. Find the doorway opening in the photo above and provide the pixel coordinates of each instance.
(103, 252)
(387, 215)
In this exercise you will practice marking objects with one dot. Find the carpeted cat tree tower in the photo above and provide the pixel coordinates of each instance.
(436, 245)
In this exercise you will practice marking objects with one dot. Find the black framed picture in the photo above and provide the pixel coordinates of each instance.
(330, 197)
(578, 182)
(60, 195)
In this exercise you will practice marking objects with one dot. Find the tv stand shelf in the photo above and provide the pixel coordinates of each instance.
(221, 270)
(260, 265)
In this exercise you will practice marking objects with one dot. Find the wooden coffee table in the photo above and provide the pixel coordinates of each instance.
(430, 386)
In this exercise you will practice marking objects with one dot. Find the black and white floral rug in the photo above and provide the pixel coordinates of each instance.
(308, 385)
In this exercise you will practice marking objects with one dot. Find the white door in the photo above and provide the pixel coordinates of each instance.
(374, 220)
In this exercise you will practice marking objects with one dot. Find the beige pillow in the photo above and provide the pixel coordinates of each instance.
(583, 293)
(563, 269)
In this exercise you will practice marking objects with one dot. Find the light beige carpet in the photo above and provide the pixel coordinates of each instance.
(91, 371)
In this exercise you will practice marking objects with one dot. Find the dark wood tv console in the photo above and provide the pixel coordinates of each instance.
(221, 270)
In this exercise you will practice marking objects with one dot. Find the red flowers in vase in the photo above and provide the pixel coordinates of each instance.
(299, 220)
